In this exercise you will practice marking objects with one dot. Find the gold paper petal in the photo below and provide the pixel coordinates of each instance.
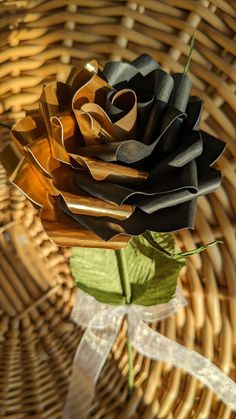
(80, 202)
(88, 205)
(39, 153)
(92, 88)
(29, 136)
(96, 126)
(92, 131)
(28, 130)
(67, 141)
(65, 136)
(25, 176)
(123, 129)
(10, 157)
(64, 231)
(55, 98)
(67, 131)
(79, 76)
(89, 128)
(32, 183)
(115, 173)
(126, 100)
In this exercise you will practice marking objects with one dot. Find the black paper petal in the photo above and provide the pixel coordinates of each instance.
(205, 186)
(212, 150)
(168, 182)
(130, 151)
(166, 220)
(116, 72)
(180, 93)
(145, 64)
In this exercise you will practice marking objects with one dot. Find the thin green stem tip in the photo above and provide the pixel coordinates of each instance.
(192, 41)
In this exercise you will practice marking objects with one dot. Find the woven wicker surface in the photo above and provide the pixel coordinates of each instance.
(39, 40)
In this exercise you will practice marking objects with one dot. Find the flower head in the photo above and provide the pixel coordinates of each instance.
(113, 152)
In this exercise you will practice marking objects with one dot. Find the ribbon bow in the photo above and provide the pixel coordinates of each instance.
(102, 322)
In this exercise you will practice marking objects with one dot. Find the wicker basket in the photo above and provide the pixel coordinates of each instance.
(39, 40)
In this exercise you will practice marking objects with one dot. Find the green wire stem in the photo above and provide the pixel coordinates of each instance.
(192, 40)
(121, 261)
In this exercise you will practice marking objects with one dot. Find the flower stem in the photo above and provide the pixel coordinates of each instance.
(121, 261)
(186, 68)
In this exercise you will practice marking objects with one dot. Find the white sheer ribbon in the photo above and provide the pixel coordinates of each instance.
(102, 322)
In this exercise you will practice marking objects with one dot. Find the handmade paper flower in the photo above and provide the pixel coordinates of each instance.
(113, 152)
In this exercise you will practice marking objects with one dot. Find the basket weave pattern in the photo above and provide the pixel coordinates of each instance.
(39, 40)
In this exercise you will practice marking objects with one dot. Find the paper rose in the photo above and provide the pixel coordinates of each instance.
(113, 152)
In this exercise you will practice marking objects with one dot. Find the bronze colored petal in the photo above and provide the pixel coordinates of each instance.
(10, 157)
(88, 205)
(92, 88)
(94, 66)
(58, 151)
(55, 98)
(79, 76)
(115, 173)
(126, 100)
(125, 127)
(29, 136)
(39, 153)
(80, 202)
(28, 130)
(68, 135)
(26, 176)
(64, 231)
(106, 131)
(32, 183)
(91, 130)
(65, 136)
(94, 123)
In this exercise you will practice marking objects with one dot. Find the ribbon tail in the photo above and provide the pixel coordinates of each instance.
(158, 347)
(89, 360)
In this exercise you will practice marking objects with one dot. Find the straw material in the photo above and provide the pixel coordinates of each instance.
(39, 40)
